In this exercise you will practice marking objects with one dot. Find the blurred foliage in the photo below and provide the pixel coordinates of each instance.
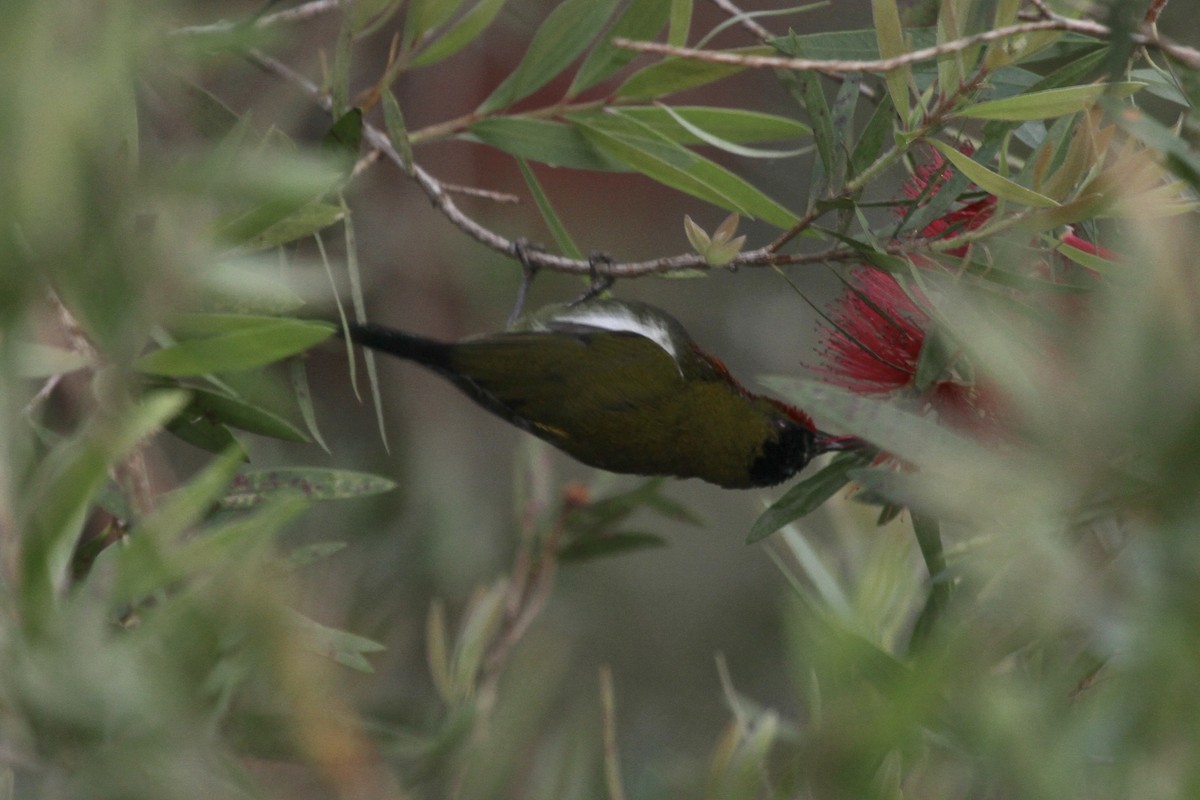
(1017, 346)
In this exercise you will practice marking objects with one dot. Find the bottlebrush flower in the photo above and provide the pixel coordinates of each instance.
(927, 181)
(873, 344)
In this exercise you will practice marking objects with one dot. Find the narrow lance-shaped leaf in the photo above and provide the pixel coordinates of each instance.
(1049, 103)
(677, 74)
(890, 36)
(558, 229)
(806, 496)
(642, 20)
(726, 145)
(729, 124)
(468, 28)
(348, 649)
(681, 22)
(678, 167)
(992, 182)
(67, 481)
(299, 379)
(232, 411)
(425, 15)
(559, 41)
(250, 347)
(250, 489)
(543, 140)
(301, 224)
(397, 131)
(806, 88)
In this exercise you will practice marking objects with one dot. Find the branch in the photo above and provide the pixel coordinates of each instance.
(299, 13)
(439, 195)
(1187, 55)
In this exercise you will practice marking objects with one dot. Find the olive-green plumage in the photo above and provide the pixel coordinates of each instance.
(645, 401)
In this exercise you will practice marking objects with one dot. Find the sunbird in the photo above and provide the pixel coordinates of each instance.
(620, 385)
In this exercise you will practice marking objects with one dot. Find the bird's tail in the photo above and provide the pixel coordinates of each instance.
(428, 352)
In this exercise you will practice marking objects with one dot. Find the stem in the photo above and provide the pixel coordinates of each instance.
(929, 539)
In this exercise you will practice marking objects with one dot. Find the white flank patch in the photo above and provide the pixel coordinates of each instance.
(619, 318)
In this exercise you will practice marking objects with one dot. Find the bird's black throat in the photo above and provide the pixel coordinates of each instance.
(784, 455)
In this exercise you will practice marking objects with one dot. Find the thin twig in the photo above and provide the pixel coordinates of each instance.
(1043, 10)
(300, 13)
(1155, 11)
(506, 198)
(745, 20)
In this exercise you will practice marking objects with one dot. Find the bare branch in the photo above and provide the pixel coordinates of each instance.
(300, 13)
(487, 194)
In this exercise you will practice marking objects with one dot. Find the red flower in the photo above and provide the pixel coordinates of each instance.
(927, 181)
(1072, 239)
(873, 345)
(876, 336)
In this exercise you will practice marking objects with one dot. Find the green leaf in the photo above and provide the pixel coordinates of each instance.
(681, 22)
(300, 224)
(1180, 158)
(259, 342)
(857, 45)
(64, 486)
(343, 51)
(186, 506)
(251, 489)
(890, 36)
(344, 138)
(347, 649)
(310, 554)
(461, 34)
(425, 15)
(299, 379)
(600, 517)
(541, 140)
(558, 230)
(37, 360)
(935, 359)
(397, 131)
(205, 434)
(992, 182)
(1049, 103)
(558, 42)
(224, 409)
(842, 119)
(611, 544)
(248, 285)
(806, 88)
(806, 496)
(676, 74)
(724, 144)
(731, 124)
(669, 163)
(479, 627)
(876, 133)
(929, 539)
(232, 543)
(642, 20)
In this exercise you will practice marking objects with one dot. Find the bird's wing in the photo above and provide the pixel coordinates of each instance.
(549, 379)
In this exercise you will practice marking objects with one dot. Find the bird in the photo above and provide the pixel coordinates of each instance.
(620, 385)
